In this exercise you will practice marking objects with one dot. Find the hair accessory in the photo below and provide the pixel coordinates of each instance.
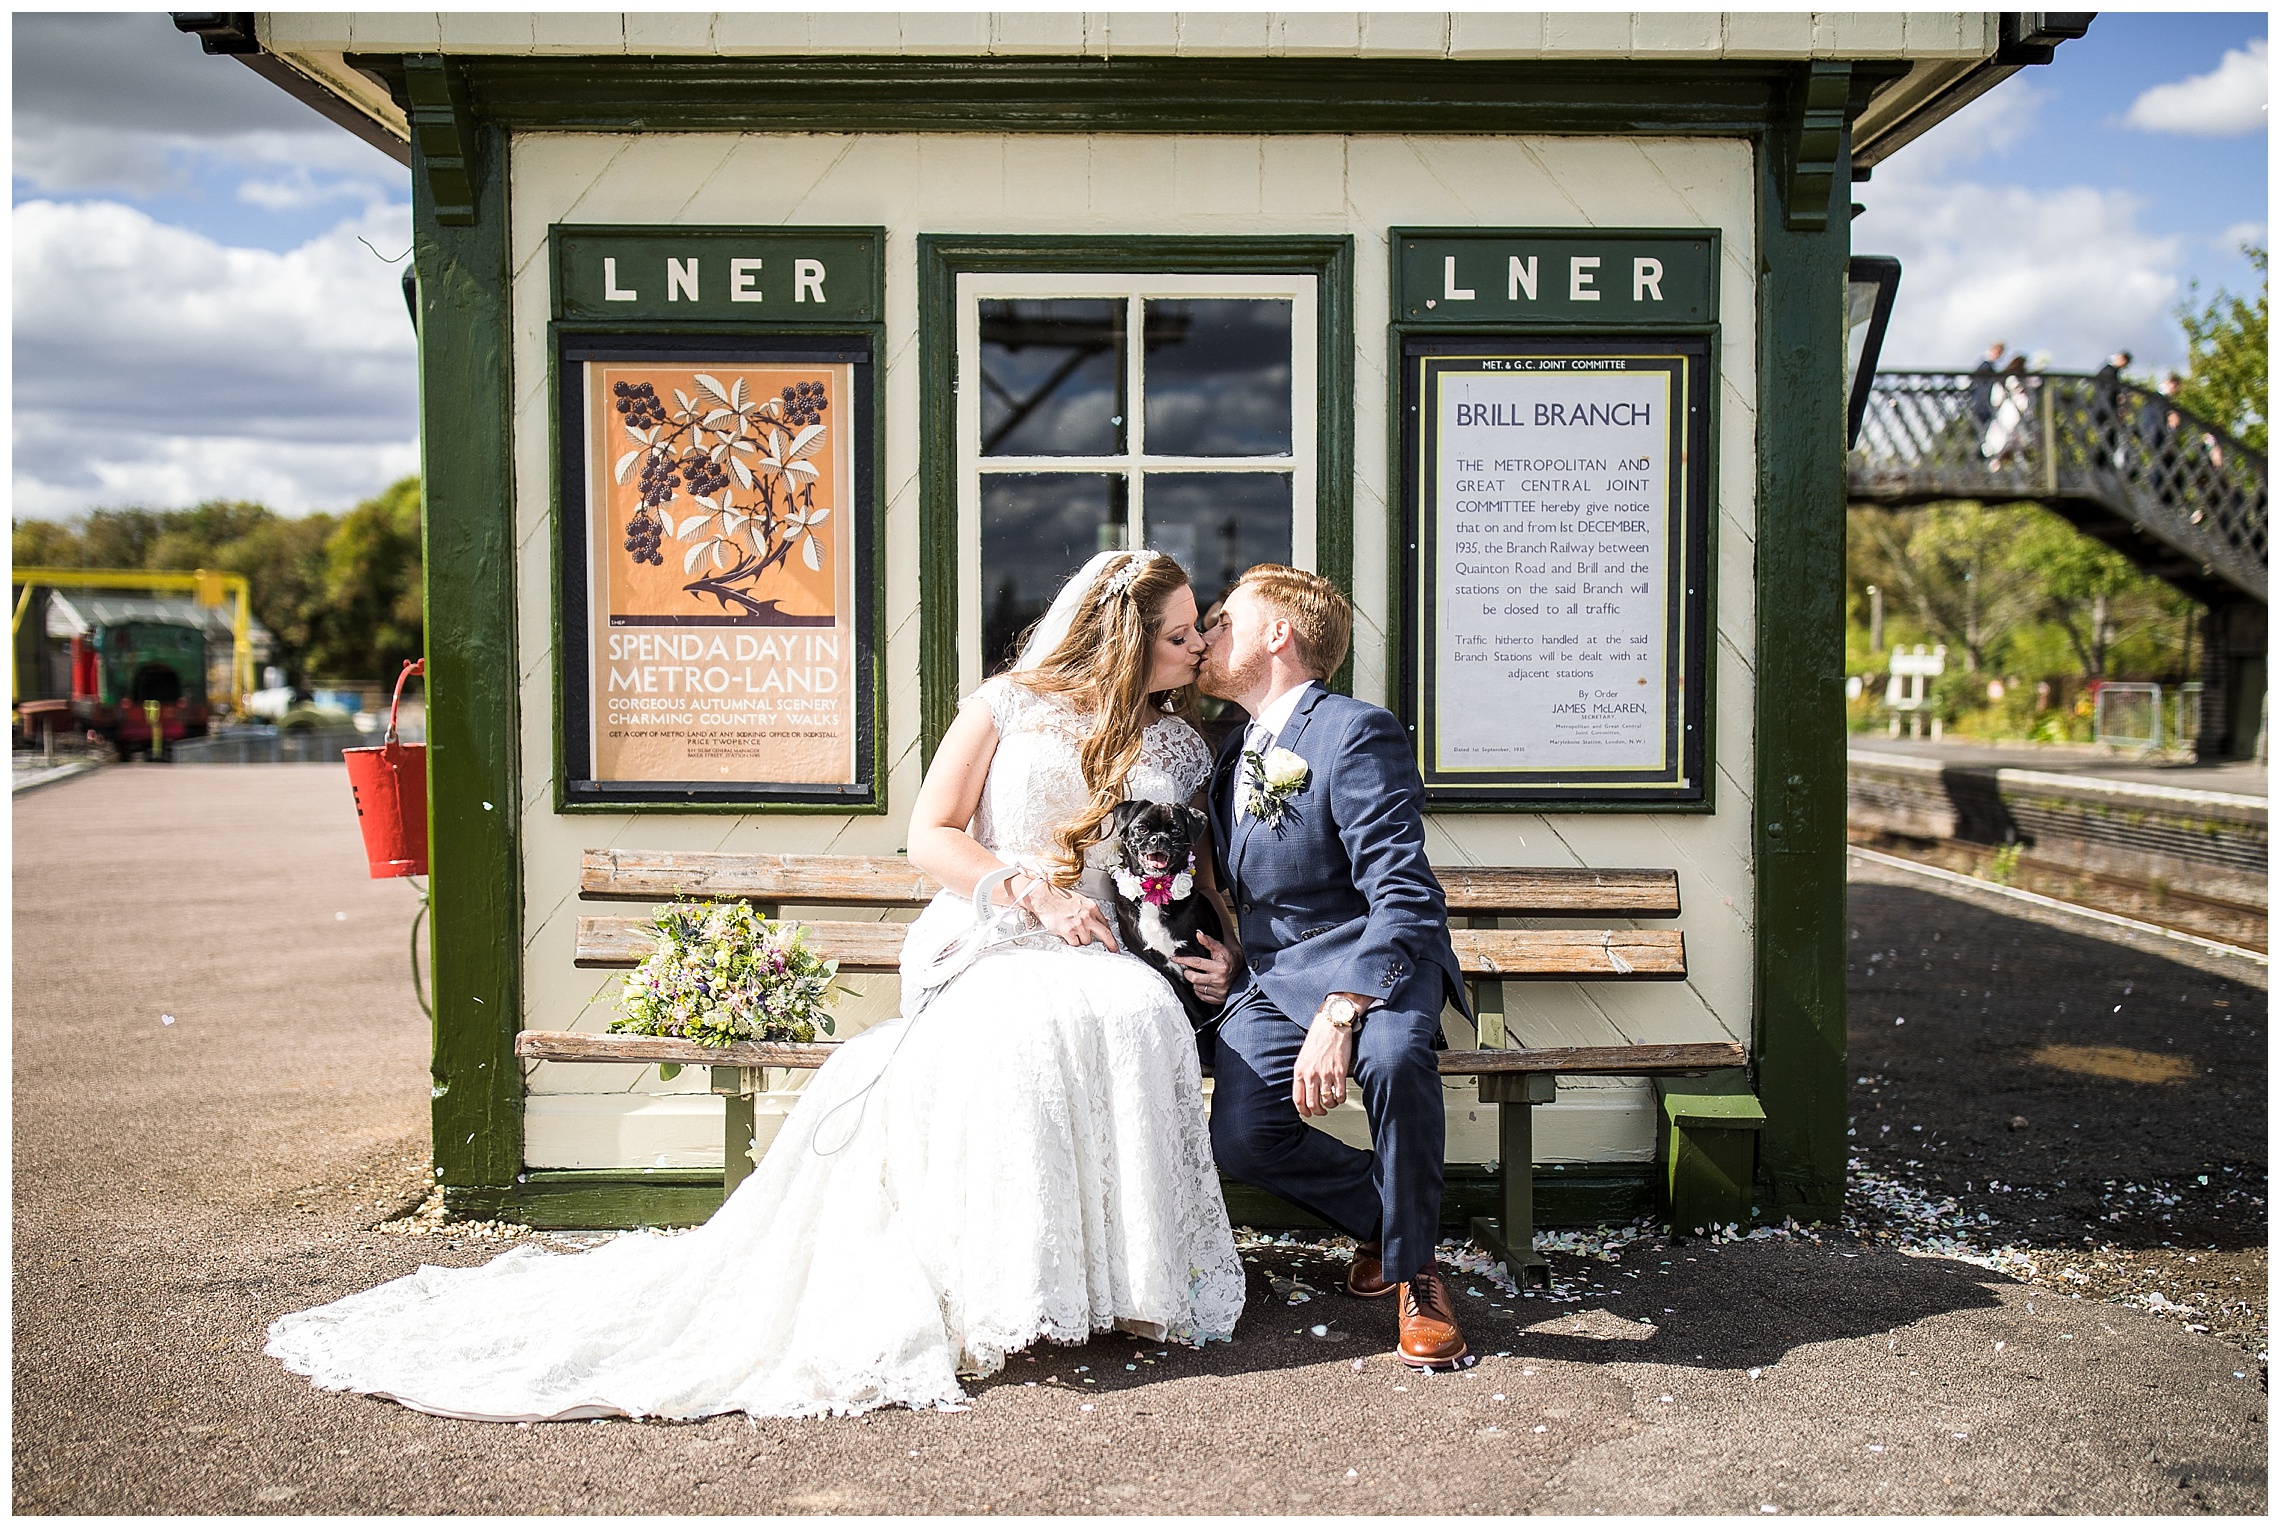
(1122, 579)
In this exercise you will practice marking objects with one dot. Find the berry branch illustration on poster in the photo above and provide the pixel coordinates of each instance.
(713, 447)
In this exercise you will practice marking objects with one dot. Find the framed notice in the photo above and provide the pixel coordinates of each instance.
(1556, 491)
(717, 524)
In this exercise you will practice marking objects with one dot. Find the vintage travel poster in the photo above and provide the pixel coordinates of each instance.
(721, 572)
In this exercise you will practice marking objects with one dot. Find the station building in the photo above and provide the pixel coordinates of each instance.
(1050, 282)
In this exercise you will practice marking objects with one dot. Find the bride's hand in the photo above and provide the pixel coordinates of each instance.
(1211, 972)
(1072, 915)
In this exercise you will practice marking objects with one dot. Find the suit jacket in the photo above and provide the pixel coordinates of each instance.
(1338, 896)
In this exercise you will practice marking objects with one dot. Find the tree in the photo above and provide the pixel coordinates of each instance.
(2228, 375)
(283, 561)
(2090, 591)
(374, 593)
(1947, 563)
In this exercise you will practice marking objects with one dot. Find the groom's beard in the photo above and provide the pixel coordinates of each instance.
(1226, 679)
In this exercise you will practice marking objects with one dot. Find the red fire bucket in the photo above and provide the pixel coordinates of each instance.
(390, 783)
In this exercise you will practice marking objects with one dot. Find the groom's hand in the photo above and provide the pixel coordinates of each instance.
(1318, 1081)
(1209, 973)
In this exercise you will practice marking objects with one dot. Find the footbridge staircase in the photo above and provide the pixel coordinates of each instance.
(2167, 489)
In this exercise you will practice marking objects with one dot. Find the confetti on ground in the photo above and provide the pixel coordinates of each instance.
(166, 1018)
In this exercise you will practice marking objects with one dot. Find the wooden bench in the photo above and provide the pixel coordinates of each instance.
(1516, 1078)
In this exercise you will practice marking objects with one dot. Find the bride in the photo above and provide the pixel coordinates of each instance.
(1022, 1154)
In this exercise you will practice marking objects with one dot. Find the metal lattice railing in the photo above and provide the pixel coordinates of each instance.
(2167, 489)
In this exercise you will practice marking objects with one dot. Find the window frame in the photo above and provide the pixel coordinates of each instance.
(950, 657)
(1135, 463)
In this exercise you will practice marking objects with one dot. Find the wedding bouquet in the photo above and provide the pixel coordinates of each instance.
(723, 973)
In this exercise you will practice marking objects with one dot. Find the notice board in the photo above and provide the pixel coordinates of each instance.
(1558, 491)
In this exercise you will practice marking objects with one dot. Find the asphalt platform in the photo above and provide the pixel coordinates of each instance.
(221, 1111)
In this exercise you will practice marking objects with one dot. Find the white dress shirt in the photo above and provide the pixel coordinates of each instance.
(1260, 735)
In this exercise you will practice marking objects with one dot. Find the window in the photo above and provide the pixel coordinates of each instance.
(1099, 411)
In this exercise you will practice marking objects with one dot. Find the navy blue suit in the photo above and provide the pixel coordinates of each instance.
(1336, 897)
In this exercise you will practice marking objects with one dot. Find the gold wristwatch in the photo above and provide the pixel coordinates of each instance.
(1341, 1010)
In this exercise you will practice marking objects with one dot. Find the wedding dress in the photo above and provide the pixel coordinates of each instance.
(1033, 1162)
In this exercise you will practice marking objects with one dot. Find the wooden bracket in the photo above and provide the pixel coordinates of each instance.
(1815, 142)
(443, 136)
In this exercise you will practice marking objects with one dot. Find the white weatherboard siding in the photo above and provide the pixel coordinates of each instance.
(592, 1116)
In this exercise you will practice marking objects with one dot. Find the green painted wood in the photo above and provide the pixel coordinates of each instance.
(445, 139)
(1563, 1194)
(1728, 1111)
(466, 463)
(1815, 146)
(943, 257)
(1799, 828)
(821, 93)
(581, 1200)
(1456, 278)
(738, 276)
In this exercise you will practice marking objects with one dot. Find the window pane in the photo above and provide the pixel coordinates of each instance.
(1037, 529)
(1218, 523)
(1053, 377)
(1217, 377)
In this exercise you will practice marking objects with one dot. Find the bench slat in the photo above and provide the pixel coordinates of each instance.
(1513, 954)
(1558, 891)
(1596, 1060)
(1562, 1060)
(875, 880)
(1565, 954)
(625, 942)
(570, 1045)
(1547, 891)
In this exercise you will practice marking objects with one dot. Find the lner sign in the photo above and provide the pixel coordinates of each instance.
(1620, 277)
(774, 276)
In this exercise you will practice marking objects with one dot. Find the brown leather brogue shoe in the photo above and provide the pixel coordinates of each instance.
(1429, 1335)
(1365, 1280)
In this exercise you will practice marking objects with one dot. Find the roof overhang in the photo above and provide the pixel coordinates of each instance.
(345, 78)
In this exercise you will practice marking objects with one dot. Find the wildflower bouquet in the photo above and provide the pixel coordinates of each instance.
(723, 973)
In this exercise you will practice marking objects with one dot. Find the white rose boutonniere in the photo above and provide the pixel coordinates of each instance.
(1271, 779)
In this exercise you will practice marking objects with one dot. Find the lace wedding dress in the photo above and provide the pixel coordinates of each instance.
(1033, 1162)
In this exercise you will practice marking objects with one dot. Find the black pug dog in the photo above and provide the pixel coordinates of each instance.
(1159, 906)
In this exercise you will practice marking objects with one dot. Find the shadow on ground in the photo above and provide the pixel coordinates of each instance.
(1692, 1305)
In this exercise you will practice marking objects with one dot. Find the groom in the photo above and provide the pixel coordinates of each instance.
(1346, 957)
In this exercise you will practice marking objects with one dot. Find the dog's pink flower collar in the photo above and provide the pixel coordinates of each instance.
(1160, 890)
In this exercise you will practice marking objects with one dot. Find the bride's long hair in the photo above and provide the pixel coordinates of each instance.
(1101, 666)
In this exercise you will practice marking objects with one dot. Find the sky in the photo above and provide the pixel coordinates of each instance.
(2068, 211)
(207, 299)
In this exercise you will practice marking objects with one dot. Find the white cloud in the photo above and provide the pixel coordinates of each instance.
(124, 103)
(177, 470)
(2257, 232)
(156, 366)
(2066, 271)
(298, 188)
(2229, 99)
(1990, 125)
(60, 158)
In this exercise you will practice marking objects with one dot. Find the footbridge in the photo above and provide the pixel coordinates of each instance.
(2170, 491)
